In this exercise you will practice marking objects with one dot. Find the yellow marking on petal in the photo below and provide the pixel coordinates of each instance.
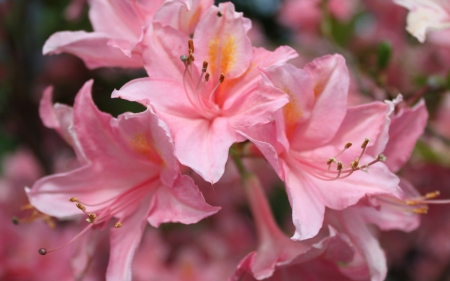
(222, 54)
(195, 18)
(292, 113)
(318, 88)
(141, 145)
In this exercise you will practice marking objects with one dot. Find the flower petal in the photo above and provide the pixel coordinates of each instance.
(92, 48)
(181, 203)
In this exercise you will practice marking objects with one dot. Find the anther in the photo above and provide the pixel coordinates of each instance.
(331, 160)
(205, 66)
(222, 77)
(73, 199)
(207, 76)
(381, 157)
(354, 164)
(339, 166)
(118, 224)
(42, 251)
(348, 145)
(81, 207)
(431, 195)
(365, 142)
(191, 46)
(183, 58)
(421, 211)
(91, 218)
(15, 221)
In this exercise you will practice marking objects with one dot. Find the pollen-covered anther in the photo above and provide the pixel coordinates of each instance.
(355, 164)
(348, 145)
(421, 211)
(331, 160)
(81, 207)
(191, 46)
(204, 66)
(118, 224)
(431, 195)
(365, 143)
(73, 199)
(91, 218)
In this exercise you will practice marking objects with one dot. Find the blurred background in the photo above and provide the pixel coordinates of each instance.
(383, 59)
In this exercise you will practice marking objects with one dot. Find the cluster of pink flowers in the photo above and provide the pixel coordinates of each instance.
(223, 122)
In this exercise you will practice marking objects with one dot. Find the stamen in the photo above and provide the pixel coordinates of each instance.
(207, 76)
(15, 220)
(364, 144)
(421, 211)
(73, 199)
(118, 224)
(222, 78)
(205, 66)
(191, 45)
(355, 164)
(81, 207)
(43, 251)
(381, 157)
(184, 58)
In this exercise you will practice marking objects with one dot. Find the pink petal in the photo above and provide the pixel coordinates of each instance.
(51, 194)
(405, 129)
(366, 244)
(169, 44)
(147, 139)
(330, 80)
(256, 106)
(296, 83)
(124, 242)
(229, 53)
(92, 48)
(363, 121)
(307, 209)
(183, 15)
(149, 91)
(342, 193)
(388, 217)
(181, 203)
(119, 19)
(264, 136)
(202, 144)
(261, 58)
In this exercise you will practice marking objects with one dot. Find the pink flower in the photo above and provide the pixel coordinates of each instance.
(426, 16)
(117, 30)
(130, 175)
(203, 99)
(309, 142)
(385, 211)
(279, 256)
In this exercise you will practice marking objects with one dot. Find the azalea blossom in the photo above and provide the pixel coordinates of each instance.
(130, 176)
(310, 142)
(208, 91)
(281, 257)
(426, 16)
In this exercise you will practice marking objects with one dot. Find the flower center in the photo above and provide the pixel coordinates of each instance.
(200, 95)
